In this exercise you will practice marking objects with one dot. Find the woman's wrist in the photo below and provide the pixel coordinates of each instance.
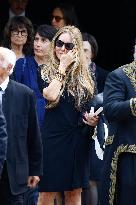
(59, 76)
(61, 72)
(62, 69)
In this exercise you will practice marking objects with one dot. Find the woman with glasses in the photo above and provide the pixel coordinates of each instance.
(63, 14)
(18, 36)
(67, 88)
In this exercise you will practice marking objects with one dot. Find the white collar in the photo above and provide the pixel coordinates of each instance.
(11, 14)
(5, 84)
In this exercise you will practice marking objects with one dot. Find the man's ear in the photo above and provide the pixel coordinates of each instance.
(9, 68)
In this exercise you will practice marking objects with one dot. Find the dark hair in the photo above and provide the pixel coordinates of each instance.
(69, 13)
(13, 24)
(46, 31)
(94, 45)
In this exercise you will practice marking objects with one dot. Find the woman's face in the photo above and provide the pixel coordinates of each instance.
(41, 46)
(63, 44)
(19, 37)
(57, 19)
(88, 51)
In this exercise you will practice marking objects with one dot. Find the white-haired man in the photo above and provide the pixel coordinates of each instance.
(23, 162)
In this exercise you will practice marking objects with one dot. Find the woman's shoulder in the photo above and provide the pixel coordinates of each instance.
(25, 59)
(26, 62)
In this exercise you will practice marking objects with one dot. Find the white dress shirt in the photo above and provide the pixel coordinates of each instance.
(3, 86)
(11, 14)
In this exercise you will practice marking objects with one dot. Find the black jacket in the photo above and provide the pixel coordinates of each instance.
(24, 150)
(3, 139)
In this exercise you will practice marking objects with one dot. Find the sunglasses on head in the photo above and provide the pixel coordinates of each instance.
(57, 18)
(68, 46)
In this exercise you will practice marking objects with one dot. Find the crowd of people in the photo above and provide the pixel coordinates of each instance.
(67, 126)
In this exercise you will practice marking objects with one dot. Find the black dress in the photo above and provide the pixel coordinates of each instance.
(65, 149)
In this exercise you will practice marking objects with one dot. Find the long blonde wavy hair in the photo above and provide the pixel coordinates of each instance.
(78, 81)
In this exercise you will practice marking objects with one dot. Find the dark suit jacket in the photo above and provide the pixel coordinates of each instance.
(3, 139)
(120, 87)
(24, 150)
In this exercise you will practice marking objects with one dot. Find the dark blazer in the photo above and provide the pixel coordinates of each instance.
(24, 150)
(3, 139)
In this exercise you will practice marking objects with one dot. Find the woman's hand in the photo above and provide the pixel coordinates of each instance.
(90, 120)
(66, 60)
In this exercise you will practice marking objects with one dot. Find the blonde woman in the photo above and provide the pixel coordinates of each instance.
(68, 88)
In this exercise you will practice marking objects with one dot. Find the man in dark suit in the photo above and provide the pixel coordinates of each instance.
(23, 164)
(3, 139)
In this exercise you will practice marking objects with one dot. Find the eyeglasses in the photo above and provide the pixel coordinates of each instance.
(16, 32)
(57, 18)
(68, 46)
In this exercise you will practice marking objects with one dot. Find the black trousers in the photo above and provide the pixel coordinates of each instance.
(126, 180)
(6, 197)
